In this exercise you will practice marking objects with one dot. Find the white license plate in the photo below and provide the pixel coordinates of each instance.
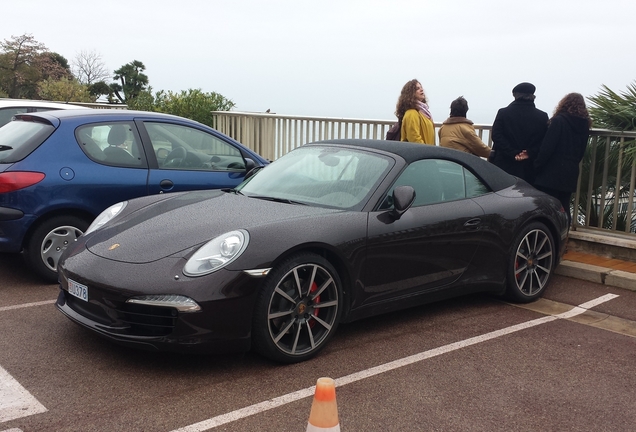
(78, 290)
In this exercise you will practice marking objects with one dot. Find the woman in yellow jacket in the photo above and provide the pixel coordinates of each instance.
(413, 112)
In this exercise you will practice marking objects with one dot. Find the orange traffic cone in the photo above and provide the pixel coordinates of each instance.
(324, 410)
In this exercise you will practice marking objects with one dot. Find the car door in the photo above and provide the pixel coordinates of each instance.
(122, 172)
(188, 158)
(433, 243)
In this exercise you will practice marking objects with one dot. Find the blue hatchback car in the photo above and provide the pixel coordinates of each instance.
(60, 169)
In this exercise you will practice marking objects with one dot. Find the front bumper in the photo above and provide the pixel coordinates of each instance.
(223, 325)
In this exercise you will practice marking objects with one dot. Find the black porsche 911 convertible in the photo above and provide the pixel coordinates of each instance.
(332, 232)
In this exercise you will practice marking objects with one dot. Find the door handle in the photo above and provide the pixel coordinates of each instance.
(473, 223)
(166, 184)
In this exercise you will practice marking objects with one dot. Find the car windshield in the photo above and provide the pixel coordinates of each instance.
(19, 138)
(325, 176)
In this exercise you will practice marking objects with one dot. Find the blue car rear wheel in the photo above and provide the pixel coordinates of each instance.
(49, 240)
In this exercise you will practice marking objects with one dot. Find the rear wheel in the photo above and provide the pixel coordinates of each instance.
(49, 240)
(298, 309)
(531, 263)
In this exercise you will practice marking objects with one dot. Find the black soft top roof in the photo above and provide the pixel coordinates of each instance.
(495, 177)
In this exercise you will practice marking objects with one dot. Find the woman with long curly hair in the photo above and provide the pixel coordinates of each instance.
(563, 147)
(413, 113)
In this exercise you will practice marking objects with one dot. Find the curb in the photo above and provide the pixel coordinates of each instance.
(601, 275)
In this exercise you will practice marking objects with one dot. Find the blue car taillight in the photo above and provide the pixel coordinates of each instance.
(16, 180)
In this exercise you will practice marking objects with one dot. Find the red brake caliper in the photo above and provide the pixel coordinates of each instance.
(312, 289)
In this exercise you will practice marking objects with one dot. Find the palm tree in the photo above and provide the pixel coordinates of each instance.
(132, 81)
(607, 166)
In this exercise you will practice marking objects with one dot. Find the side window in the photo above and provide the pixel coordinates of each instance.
(111, 143)
(474, 187)
(423, 176)
(182, 147)
(437, 181)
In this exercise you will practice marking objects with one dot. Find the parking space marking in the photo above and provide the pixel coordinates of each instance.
(386, 367)
(26, 305)
(590, 318)
(15, 400)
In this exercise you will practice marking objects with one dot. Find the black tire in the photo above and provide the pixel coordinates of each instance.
(297, 310)
(47, 242)
(531, 263)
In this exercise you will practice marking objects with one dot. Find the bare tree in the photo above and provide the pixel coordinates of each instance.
(88, 67)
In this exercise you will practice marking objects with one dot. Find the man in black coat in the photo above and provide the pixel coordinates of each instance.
(517, 133)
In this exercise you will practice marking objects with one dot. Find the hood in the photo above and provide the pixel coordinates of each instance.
(578, 124)
(455, 120)
(169, 226)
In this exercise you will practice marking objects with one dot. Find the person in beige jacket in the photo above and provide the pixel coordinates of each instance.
(458, 133)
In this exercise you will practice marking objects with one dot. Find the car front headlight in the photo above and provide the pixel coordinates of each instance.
(106, 215)
(217, 253)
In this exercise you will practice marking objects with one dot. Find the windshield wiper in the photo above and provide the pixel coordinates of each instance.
(231, 190)
(275, 199)
(4, 147)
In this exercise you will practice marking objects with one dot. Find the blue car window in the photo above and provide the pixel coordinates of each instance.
(111, 143)
(186, 148)
(20, 137)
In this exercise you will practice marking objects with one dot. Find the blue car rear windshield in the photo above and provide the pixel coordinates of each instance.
(19, 138)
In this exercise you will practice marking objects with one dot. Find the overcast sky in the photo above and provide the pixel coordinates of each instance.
(348, 58)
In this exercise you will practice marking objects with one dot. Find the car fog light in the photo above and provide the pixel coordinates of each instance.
(179, 302)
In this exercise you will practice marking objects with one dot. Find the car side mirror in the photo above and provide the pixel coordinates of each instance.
(403, 199)
(249, 164)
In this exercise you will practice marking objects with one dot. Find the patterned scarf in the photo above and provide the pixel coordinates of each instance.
(423, 108)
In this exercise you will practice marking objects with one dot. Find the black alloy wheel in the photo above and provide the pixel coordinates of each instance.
(298, 309)
(531, 263)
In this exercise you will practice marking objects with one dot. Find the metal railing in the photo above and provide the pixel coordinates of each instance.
(273, 135)
(605, 198)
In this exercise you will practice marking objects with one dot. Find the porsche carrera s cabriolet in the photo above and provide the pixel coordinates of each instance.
(332, 232)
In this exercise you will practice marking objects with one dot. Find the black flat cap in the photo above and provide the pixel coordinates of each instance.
(524, 87)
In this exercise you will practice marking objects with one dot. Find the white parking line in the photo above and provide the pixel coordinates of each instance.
(15, 400)
(348, 379)
(25, 305)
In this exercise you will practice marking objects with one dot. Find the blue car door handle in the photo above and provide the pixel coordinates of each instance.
(166, 184)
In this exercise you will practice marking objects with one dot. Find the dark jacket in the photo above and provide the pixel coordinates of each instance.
(557, 164)
(517, 127)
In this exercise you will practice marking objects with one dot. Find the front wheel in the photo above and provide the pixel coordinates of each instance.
(49, 240)
(531, 263)
(297, 310)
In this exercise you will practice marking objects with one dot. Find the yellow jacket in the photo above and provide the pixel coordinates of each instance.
(459, 133)
(417, 128)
